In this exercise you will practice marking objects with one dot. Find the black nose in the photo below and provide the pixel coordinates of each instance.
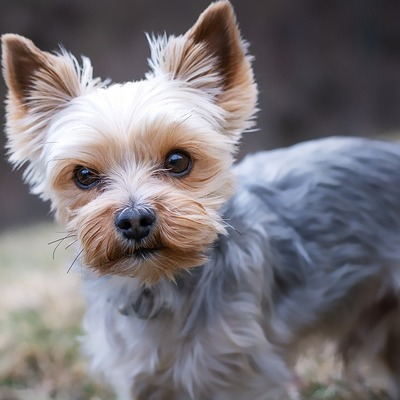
(135, 224)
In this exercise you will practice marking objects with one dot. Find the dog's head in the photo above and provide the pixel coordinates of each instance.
(137, 171)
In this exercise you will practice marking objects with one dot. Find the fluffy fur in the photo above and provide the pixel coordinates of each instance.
(217, 300)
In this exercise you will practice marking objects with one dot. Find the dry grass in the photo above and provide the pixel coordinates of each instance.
(40, 312)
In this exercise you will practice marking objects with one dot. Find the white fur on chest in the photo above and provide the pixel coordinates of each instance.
(158, 353)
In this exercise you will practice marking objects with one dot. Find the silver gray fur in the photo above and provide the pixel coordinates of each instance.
(313, 249)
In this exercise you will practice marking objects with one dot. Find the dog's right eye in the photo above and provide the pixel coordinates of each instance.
(178, 163)
(86, 178)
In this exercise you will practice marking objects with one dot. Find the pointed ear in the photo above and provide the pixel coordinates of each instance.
(39, 84)
(39, 80)
(212, 57)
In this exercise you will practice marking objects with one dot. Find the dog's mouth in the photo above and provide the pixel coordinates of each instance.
(145, 252)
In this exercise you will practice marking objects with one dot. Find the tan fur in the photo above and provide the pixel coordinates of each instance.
(213, 57)
(30, 71)
(240, 92)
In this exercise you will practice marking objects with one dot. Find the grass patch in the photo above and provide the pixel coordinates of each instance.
(41, 308)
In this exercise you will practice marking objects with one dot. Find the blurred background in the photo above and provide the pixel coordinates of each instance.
(324, 67)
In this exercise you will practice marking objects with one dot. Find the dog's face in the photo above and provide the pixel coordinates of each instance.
(137, 171)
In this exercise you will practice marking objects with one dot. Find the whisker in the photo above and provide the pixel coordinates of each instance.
(55, 249)
(75, 260)
(233, 228)
(56, 160)
(72, 243)
(61, 239)
(183, 120)
(254, 130)
(49, 142)
(184, 117)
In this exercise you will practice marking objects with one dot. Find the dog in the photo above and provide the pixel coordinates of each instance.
(204, 278)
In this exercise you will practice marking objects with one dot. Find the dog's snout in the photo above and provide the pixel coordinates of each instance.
(135, 224)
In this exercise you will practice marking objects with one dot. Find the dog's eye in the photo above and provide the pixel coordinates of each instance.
(85, 178)
(178, 163)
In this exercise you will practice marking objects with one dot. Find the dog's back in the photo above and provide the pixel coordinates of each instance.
(334, 239)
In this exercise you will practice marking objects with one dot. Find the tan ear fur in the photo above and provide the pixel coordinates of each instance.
(21, 59)
(212, 56)
(40, 80)
(217, 29)
(39, 84)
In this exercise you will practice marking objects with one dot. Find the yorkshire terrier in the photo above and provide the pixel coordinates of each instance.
(204, 279)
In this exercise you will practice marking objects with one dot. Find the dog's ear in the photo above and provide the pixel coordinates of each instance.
(212, 57)
(39, 84)
(39, 81)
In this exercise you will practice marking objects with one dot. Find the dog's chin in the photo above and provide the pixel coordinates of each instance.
(145, 252)
(148, 264)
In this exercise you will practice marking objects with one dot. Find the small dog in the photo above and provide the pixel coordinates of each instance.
(204, 279)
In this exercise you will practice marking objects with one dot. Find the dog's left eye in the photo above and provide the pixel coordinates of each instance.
(86, 178)
(178, 163)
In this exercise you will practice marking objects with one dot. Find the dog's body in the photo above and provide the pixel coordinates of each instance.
(314, 251)
(199, 288)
